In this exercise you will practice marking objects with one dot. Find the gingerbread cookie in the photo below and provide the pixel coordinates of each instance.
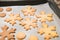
(7, 33)
(32, 37)
(48, 32)
(2, 14)
(1, 9)
(12, 18)
(27, 22)
(8, 9)
(44, 17)
(28, 11)
(21, 36)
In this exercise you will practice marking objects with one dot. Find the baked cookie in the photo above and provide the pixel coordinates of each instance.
(21, 36)
(7, 33)
(28, 11)
(48, 32)
(8, 9)
(1, 9)
(12, 18)
(27, 22)
(2, 14)
(32, 37)
(44, 17)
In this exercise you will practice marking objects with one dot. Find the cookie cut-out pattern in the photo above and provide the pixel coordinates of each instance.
(28, 10)
(48, 32)
(27, 22)
(45, 17)
(7, 33)
(12, 18)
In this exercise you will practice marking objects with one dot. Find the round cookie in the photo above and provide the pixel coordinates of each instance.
(2, 14)
(1, 9)
(32, 37)
(20, 36)
(8, 9)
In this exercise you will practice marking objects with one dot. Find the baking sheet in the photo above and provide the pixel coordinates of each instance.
(19, 28)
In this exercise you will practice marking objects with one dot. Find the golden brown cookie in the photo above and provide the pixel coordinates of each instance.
(21, 36)
(33, 37)
(2, 14)
(49, 32)
(28, 11)
(43, 17)
(12, 18)
(1, 9)
(27, 22)
(8, 9)
(47, 37)
(7, 33)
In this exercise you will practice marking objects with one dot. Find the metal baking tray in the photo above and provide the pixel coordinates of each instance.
(45, 6)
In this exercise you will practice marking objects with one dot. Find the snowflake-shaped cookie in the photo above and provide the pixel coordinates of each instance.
(28, 11)
(48, 32)
(27, 23)
(44, 17)
(12, 18)
(7, 33)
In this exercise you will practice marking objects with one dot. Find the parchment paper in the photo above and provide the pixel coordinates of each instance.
(19, 28)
